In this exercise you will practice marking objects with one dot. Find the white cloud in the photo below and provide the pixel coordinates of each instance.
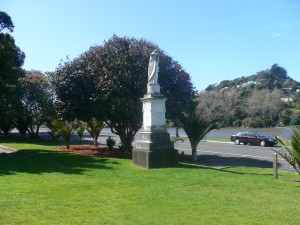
(276, 34)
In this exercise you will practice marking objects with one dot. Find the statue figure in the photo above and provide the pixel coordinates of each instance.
(153, 67)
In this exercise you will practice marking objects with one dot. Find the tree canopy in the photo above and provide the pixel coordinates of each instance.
(6, 22)
(114, 76)
(11, 57)
(35, 101)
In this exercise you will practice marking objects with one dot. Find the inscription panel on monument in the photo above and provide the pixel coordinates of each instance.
(154, 114)
(158, 119)
(158, 107)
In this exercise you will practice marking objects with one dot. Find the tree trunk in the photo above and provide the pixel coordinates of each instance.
(96, 141)
(68, 144)
(126, 142)
(177, 132)
(194, 154)
(37, 131)
(31, 131)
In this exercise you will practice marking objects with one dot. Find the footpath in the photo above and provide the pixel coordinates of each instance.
(6, 150)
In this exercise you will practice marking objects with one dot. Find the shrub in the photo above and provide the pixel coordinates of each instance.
(237, 123)
(94, 127)
(80, 129)
(110, 142)
(254, 123)
(54, 132)
(6, 126)
(65, 129)
(291, 149)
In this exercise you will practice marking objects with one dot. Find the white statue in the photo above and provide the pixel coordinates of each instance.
(153, 67)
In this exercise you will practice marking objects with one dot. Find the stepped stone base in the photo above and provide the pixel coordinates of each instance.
(155, 150)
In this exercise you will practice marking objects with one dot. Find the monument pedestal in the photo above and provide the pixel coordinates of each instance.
(155, 148)
(154, 151)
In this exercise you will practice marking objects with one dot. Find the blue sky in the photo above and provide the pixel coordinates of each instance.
(213, 40)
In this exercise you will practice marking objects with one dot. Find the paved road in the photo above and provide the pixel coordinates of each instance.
(220, 155)
(215, 154)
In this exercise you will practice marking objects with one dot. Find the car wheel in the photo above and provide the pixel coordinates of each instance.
(262, 143)
(245, 143)
(237, 141)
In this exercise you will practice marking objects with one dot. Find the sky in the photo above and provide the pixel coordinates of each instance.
(213, 40)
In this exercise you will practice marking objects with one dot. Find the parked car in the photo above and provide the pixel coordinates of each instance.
(253, 137)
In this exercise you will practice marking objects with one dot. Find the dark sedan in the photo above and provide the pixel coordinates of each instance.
(253, 137)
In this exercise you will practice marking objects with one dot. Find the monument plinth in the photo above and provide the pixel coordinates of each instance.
(155, 148)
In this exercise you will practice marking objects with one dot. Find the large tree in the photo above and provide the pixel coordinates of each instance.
(11, 60)
(35, 104)
(11, 57)
(115, 75)
(277, 71)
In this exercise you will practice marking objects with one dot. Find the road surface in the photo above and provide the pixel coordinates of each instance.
(219, 154)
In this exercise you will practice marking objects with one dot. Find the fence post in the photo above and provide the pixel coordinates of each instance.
(275, 166)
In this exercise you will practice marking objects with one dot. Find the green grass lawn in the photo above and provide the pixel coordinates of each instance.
(39, 185)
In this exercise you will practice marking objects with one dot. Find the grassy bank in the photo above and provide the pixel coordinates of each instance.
(40, 185)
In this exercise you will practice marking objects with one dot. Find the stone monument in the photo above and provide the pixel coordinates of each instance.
(155, 148)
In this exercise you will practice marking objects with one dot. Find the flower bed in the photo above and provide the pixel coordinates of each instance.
(100, 151)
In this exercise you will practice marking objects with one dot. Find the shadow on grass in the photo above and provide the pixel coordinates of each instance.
(220, 163)
(43, 161)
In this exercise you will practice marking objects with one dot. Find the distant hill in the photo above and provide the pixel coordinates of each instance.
(274, 78)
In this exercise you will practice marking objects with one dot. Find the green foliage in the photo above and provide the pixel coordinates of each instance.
(6, 22)
(196, 126)
(6, 125)
(94, 127)
(11, 57)
(110, 142)
(291, 151)
(277, 71)
(22, 123)
(237, 123)
(108, 81)
(36, 100)
(54, 132)
(11, 60)
(253, 122)
(262, 99)
(80, 127)
(65, 129)
(274, 78)
(75, 84)
(7, 115)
